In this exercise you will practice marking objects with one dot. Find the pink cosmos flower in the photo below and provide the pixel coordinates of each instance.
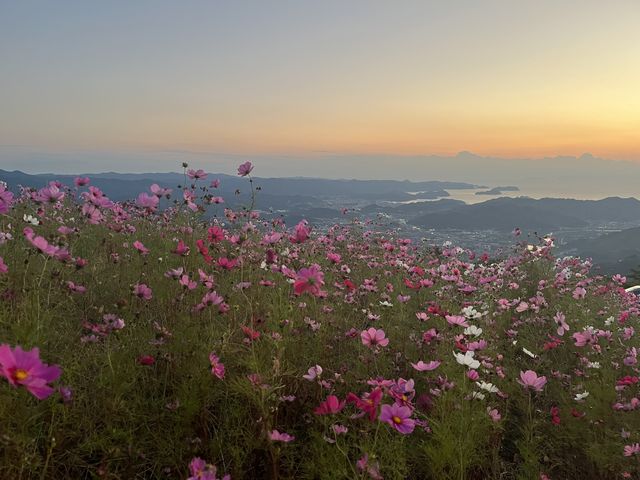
(217, 368)
(245, 169)
(75, 287)
(339, 429)
(309, 280)
(181, 249)
(425, 367)
(301, 232)
(371, 468)
(373, 337)
(494, 414)
(24, 368)
(196, 174)
(142, 291)
(579, 293)
(331, 405)
(81, 181)
(158, 191)
(6, 197)
(334, 257)
(150, 202)
(633, 449)
(399, 417)
(276, 436)
(50, 194)
(201, 470)
(138, 245)
(212, 298)
(64, 230)
(313, 373)
(216, 234)
(530, 379)
(186, 282)
(459, 320)
(227, 264)
(560, 319)
(3, 266)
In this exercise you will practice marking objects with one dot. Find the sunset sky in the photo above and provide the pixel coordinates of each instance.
(301, 78)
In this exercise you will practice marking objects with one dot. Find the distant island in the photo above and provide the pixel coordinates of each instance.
(499, 190)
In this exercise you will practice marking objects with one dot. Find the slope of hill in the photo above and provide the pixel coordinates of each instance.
(616, 252)
(542, 215)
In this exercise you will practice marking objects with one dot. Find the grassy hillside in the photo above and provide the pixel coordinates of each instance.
(174, 344)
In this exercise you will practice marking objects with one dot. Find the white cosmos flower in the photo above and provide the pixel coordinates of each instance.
(471, 313)
(489, 387)
(531, 354)
(581, 396)
(31, 219)
(386, 304)
(467, 359)
(478, 395)
(313, 373)
(473, 330)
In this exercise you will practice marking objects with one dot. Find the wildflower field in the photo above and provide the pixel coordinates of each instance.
(147, 342)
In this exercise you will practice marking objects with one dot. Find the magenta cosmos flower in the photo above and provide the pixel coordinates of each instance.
(398, 416)
(373, 337)
(26, 369)
(217, 368)
(201, 470)
(330, 406)
(530, 379)
(245, 169)
(142, 291)
(276, 436)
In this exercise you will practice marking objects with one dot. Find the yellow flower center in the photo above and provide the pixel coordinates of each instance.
(20, 374)
(397, 420)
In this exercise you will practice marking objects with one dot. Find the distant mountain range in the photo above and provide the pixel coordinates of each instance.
(122, 186)
(575, 223)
